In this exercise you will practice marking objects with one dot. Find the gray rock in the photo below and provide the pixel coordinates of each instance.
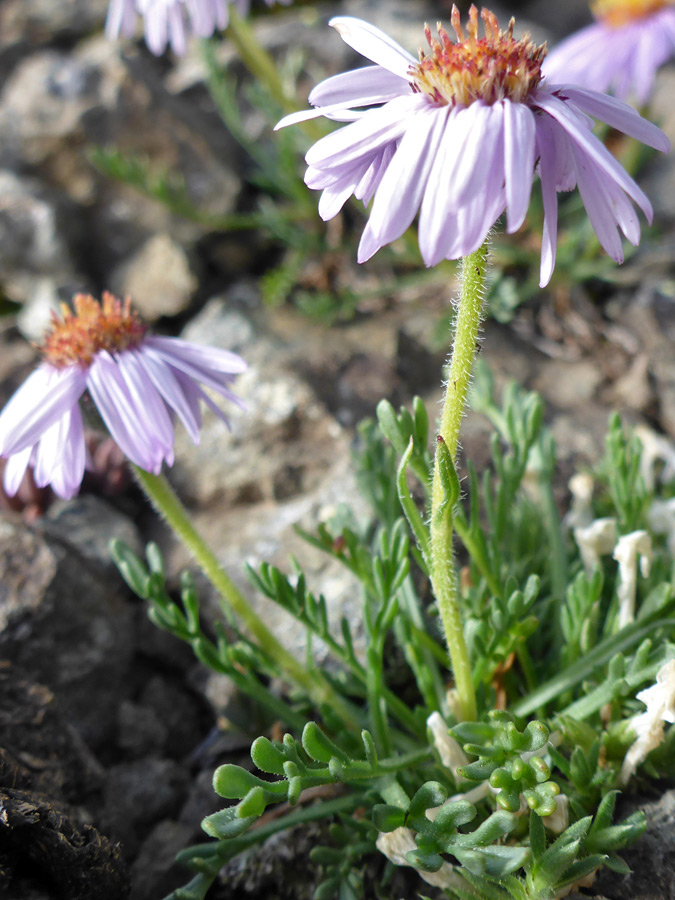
(32, 233)
(43, 103)
(283, 443)
(158, 278)
(88, 524)
(42, 21)
(65, 626)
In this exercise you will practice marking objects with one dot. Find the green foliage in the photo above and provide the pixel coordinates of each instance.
(621, 471)
(543, 642)
(508, 759)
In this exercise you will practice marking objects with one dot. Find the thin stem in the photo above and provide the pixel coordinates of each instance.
(164, 499)
(256, 59)
(443, 575)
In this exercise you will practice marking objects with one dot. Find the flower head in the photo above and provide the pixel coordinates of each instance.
(138, 383)
(458, 134)
(621, 52)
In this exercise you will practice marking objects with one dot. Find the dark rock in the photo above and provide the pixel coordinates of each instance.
(39, 750)
(652, 858)
(74, 861)
(137, 794)
(66, 626)
(154, 872)
(177, 710)
(140, 731)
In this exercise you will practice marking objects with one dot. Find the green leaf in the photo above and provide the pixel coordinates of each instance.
(233, 782)
(131, 568)
(267, 757)
(320, 747)
(226, 824)
(388, 818)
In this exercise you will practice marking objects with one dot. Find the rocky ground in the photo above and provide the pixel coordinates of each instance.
(109, 730)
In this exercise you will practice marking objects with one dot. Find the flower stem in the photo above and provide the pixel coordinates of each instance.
(257, 60)
(443, 575)
(166, 502)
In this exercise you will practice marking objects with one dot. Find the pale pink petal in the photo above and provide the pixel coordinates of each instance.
(401, 190)
(519, 143)
(546, 150)
(175, 20)
(68, 477)
(484, 127)
(587, 141)
(124, 421)
(618, 115)
(169, 386)
(359, 87)
(374, 44)
(211, 359)
(121, 19)
(372, 178)
(41, 400)
(146, 397)
(597, 207)
(15, 469)
(366, 136)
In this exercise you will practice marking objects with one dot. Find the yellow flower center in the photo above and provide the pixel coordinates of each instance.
(77, 336)
(619, 12)
(491, 68)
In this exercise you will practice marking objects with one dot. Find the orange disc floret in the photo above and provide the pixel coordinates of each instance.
(80, 333)
(620, 12)
(491, 68)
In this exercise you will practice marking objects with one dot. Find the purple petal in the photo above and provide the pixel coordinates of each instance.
(60, 456)
(15, 469)
(366, 136)
(519, 140)
(208, 358)
(175, 20)
(41, 400)
(195, 394)
(169, 386)
(618, 115)
(587, 142)
(439, 206)
(146, 397)
(217, 383)
(335, 196)
(359, 87)
(68, 478)
(125, 422)
(374, 44)
(484, 129)
(121, 19)
(597, 207)
(375, 172)
(546, 149)
(402, 187)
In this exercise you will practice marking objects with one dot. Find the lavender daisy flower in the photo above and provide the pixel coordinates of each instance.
(458, 136)
(621, 52)
(138, 383)
(169, 21)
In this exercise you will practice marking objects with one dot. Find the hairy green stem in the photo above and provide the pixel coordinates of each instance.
(443, 575)
(166, 502)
